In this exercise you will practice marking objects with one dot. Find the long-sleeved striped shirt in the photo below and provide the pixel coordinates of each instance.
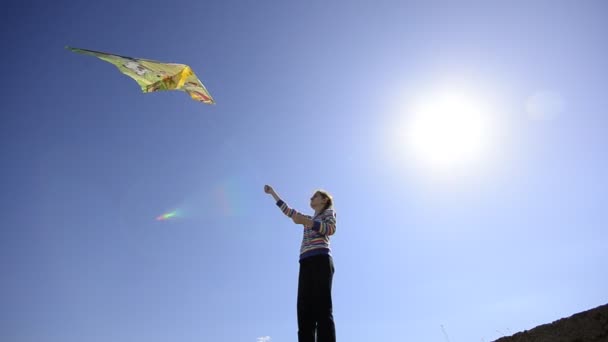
(316, 238)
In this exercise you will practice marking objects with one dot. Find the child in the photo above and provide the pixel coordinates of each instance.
(315, 314)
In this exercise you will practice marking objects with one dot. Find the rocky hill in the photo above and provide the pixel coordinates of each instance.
(587, 326)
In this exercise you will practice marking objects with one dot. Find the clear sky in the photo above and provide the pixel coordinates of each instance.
(315, 94)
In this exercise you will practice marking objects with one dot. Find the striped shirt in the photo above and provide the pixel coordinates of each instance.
(315, 240)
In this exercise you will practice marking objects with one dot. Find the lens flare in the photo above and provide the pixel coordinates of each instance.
(167, 216)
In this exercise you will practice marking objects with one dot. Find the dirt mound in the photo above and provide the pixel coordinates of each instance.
(586, 326)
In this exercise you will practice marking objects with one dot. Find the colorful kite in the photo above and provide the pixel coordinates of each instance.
(154, 76)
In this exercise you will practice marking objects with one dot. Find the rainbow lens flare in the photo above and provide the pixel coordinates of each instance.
(167, 216)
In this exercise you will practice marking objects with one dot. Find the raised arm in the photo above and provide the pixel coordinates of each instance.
(289, 212)
(269, 190)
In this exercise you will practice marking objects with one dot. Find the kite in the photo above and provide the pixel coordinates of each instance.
(154, 75)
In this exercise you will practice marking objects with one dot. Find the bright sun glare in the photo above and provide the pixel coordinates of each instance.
(448, 130)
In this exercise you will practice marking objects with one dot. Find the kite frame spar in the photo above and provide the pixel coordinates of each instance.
(154, 75)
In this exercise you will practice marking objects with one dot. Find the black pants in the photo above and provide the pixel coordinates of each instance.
(314, 300)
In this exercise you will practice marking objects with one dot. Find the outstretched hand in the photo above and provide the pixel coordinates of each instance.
(269, 190)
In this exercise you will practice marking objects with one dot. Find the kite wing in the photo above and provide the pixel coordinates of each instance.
(154, 76)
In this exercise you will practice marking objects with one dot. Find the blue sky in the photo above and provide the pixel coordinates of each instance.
(309, 95)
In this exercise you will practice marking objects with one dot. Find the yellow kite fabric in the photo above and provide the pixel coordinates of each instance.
(154, 76)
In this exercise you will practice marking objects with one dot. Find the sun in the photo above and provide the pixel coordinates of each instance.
(447, 130)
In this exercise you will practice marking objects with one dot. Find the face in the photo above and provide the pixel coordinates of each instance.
(317, 201)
